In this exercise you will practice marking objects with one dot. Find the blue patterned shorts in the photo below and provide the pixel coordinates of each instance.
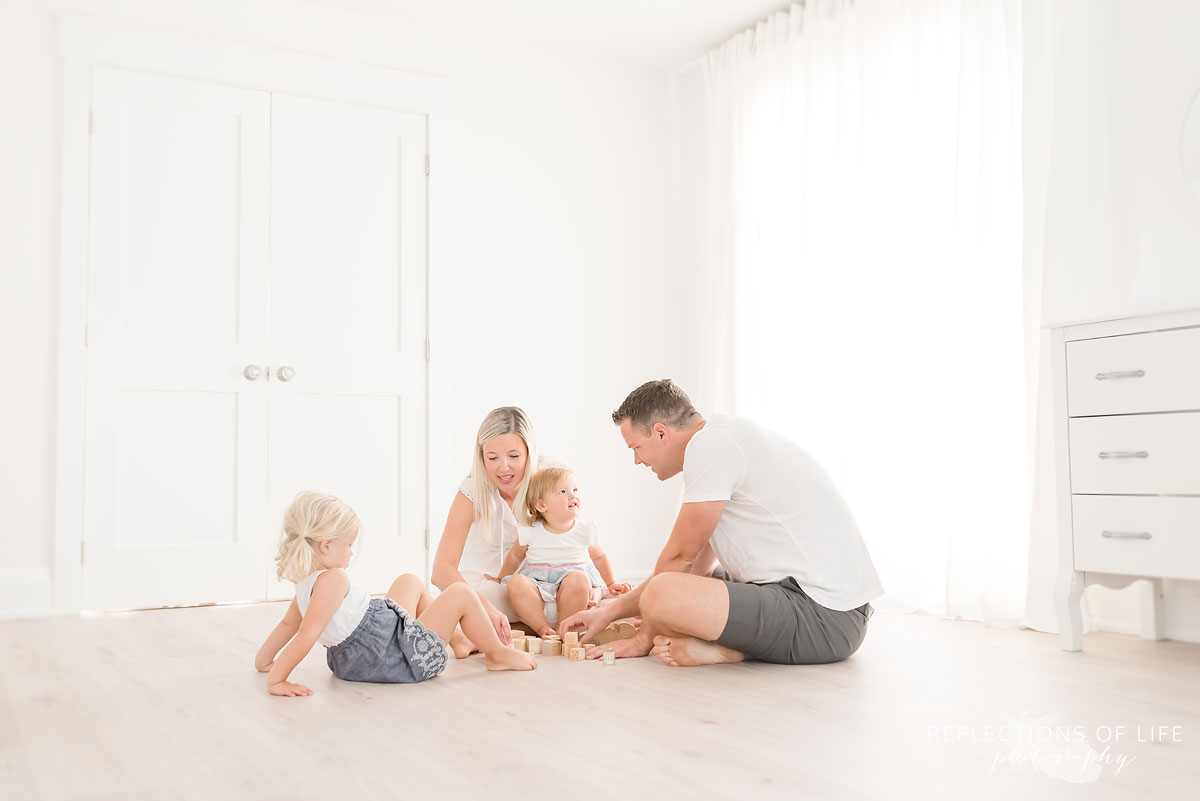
(547, 577)
(389, 646)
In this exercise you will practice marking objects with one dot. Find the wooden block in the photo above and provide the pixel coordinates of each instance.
(519, 643)
(571, 638)
(610, 658)
(517, 634)
(587, 646)
(577, 654)
(616, 631)
(551, 647)
(533, 645)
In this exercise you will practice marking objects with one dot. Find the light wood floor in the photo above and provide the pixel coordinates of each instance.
(167, 705)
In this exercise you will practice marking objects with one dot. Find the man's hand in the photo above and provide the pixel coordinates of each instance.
(624, 649)
(291, 689)
(593, 620)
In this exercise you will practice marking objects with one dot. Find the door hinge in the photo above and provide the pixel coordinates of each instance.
(91, 119)
(426, 539)
(427, 165)
(81, 553)
(427, 350)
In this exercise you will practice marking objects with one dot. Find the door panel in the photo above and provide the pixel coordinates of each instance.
(348, 315)
(175, 459)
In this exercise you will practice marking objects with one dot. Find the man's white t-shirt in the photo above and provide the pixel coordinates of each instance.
(548, 548)
(783, 515)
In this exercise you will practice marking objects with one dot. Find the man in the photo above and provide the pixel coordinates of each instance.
(797, 578)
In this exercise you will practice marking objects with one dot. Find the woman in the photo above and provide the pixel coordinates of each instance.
(482, 525)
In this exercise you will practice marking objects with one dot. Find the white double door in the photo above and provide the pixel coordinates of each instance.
(256, 326)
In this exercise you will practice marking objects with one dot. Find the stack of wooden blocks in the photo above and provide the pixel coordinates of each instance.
(569, 645)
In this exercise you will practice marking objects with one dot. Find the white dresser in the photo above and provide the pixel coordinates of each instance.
(1127, 441)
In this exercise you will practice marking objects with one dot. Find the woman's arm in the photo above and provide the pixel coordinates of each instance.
(449, 554)
(604, 565)
(278, 638)
(516, 555)
(328, 592)
(454, 539)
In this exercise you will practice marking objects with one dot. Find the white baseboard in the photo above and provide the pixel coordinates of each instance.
(26, 592)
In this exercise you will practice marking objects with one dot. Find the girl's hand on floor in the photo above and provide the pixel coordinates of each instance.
(288, 689)
(619, 587)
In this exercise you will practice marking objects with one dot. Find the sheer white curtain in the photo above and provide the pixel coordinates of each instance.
(865, 216)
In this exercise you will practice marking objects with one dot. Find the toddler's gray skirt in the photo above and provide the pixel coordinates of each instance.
(389, 647)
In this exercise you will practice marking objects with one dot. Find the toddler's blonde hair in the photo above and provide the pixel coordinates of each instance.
(312, 518)
(540, 485)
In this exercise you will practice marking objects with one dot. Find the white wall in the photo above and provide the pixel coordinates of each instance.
(562, 254)
(1111, 81)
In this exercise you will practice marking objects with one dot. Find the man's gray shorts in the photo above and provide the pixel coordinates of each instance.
(779, 623)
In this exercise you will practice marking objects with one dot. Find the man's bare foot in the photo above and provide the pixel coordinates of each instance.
(510, 659)
(689, 651)
(460, 645)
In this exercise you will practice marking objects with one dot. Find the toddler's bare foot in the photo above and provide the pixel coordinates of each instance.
(546, 631)
(689, 651)
(460, 645)
(510, 659)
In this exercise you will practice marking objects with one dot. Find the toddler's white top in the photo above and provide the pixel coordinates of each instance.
(783, 515)
(548, 548)
(345, 620)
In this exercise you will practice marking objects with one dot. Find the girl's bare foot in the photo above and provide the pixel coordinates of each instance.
(689, 651)
(510, 659)
(460, 645)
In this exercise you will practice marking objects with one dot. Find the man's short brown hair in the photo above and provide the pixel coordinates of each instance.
(657, 402)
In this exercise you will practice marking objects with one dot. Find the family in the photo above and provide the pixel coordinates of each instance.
(764, 561)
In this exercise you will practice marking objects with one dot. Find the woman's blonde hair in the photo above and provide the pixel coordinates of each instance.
(540, 485)
(505, 420)
(312, 518)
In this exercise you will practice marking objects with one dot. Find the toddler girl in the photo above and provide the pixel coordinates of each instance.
(400, 638)
(555, 548)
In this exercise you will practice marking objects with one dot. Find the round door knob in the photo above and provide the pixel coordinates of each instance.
(286, 373)
(252, 372)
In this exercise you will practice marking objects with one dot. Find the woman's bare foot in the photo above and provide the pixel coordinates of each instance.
(460, 645)
(510, 659)
(689, 651)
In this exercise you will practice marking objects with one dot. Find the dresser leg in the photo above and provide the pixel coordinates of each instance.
(1068, 590)
(1153, 615)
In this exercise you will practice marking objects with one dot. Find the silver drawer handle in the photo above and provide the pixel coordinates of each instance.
(1125, 535)
(1120, 374)
(1124, 454)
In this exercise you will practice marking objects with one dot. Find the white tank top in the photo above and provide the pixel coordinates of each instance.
(345, 620)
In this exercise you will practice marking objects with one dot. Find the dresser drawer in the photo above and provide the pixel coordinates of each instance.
(1137, 536)
(1099, 380)
(1153, 454)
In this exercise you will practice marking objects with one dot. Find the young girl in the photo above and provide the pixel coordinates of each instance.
(555, 548)
(368, 639)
